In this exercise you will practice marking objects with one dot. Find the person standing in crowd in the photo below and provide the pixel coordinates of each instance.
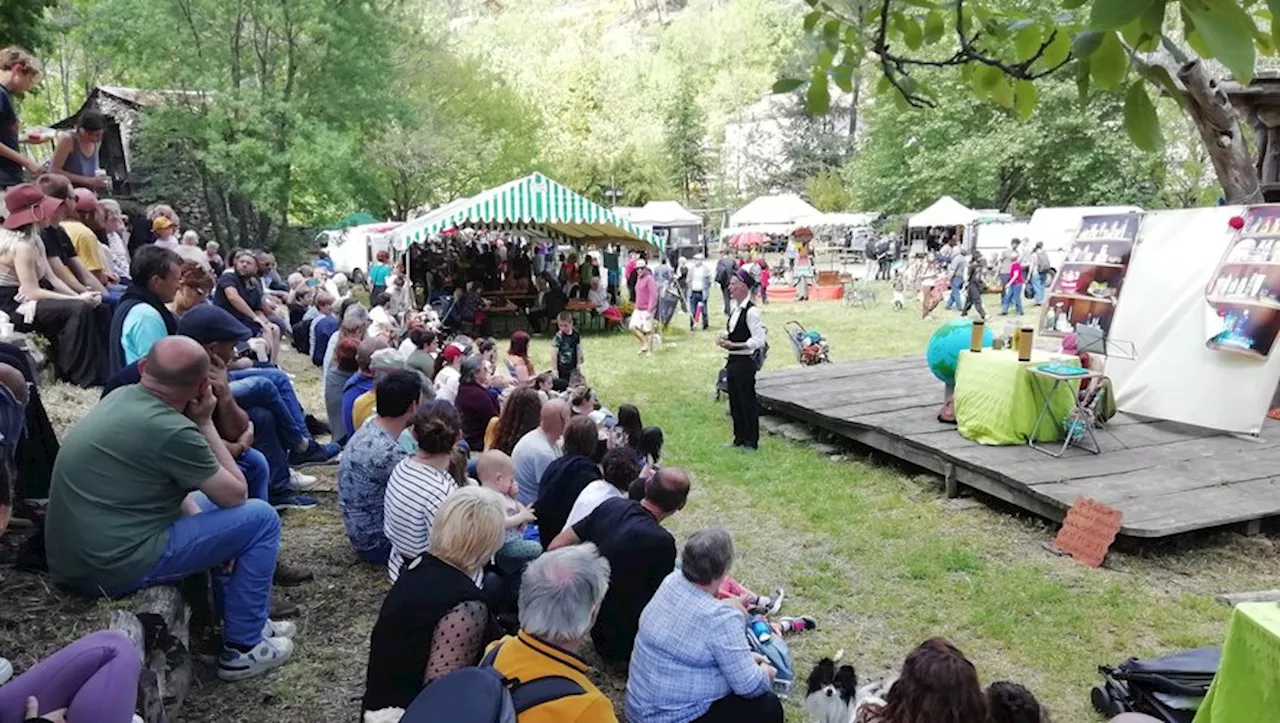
(75, 155)
(120, 518)
(1004, 262)
(1013, 291)
(1043, 267)
(566, 349)
(959, 271)
(699, 289)
(73, 318)
(691, 660)
(640, 552)
(743, 341)
(560, 594)
(379, 272)
(974, 288)
(19, 73)
(646, 303)
(368, 460)
(724, 272)
(142, 318)
(537, 449)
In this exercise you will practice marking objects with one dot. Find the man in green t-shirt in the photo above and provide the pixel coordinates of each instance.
(145, 493)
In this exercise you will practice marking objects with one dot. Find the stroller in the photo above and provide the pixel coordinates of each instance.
(1169, 689)
(810, 347)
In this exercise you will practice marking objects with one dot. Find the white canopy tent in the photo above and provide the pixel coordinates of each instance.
(660, 214)
(823, 220)
(781, 210)
(946, 211)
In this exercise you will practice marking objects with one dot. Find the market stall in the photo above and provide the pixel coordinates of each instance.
(679, 228)
(932, 227)
(536, 204)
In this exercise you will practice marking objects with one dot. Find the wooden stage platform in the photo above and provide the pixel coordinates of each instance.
(1167, 478)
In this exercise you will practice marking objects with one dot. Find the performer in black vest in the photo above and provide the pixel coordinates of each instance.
(744, 341)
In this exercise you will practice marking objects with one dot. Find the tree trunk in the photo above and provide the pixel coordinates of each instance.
(1219, 125)
(161, 632)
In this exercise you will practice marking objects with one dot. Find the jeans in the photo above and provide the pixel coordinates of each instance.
(268, 445)
(95, 678)
(1037, 286)
(697, 305)
(257, 473)
(250, 535)
(1012, 297)
(953, 301)
(249, 390)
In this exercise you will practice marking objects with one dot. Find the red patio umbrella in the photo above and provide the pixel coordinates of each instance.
(751, 238)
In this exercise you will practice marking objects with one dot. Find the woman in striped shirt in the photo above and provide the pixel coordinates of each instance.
(418, 485)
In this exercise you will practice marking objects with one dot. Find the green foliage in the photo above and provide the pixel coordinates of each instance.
(999, 44)
(685, 128)
(22, 22)
(826, 191)
(987, 157)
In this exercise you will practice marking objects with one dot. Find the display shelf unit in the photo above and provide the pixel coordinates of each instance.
(1081, 297)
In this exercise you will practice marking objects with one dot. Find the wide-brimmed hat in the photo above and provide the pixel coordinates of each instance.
(27, 204)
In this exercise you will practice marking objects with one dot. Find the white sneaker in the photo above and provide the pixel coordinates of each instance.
(301, 482)
(271, 653)
(6, 671)
(279, 629)
(137, 718)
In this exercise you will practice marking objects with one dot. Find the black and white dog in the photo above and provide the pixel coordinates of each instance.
(834, 695)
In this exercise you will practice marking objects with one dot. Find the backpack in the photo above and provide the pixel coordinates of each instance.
(482, 695)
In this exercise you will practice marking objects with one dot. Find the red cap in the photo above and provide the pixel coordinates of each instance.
(451, 352)
(85, 200)
(28, 204)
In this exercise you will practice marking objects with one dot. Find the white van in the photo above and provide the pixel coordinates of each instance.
(353, 249)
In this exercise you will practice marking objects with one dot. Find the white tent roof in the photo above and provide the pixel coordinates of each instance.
(665, 213)
(786, 208)
(839, 219)
(946, 211)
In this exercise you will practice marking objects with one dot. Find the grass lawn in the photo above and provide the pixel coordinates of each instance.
(872, 551)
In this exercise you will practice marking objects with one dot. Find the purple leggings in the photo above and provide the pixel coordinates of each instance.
(95, 678)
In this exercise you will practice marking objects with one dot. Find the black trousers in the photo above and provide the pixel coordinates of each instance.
(79, 334)
(743, 406)
(736, 709)
(974, 301)
(724, 292)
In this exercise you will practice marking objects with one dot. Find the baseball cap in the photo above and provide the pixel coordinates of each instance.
(28, 204)
(86, 200)
(451, 352)
(207, 324)
(386, 359)
(160, 223)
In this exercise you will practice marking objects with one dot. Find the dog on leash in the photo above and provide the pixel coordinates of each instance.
(834, 696)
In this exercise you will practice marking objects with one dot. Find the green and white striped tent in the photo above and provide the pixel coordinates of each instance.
(535, 203)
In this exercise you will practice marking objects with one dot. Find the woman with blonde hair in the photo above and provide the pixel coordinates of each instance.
(436, 620)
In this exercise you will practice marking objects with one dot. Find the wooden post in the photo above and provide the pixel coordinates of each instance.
(160, 631)
(949, 484)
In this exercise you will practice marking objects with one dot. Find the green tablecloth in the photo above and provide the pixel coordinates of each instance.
(996, 404)
(1247, 686)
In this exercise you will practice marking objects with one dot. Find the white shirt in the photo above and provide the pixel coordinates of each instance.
(589, 499)
(414, 494)
(406, 348)
(447, 383)
(699, 276)
(754, 324)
